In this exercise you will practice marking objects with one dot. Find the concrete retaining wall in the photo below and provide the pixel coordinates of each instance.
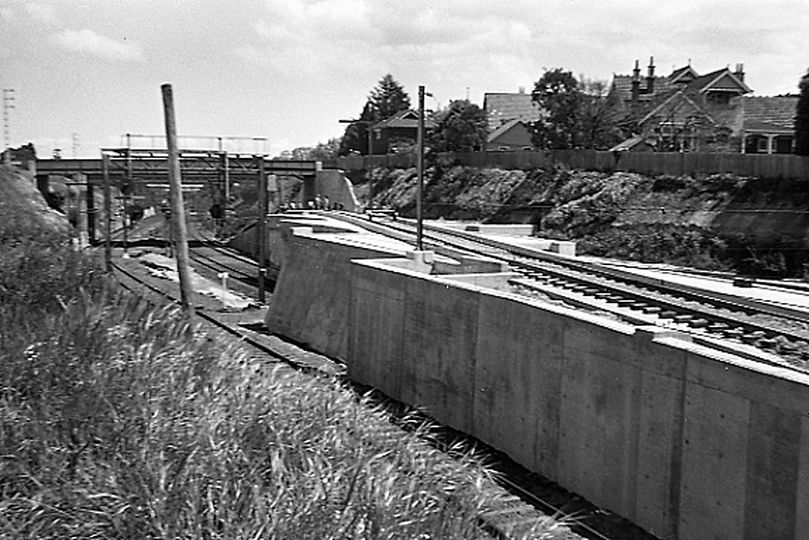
(313, 291)
(687, 442)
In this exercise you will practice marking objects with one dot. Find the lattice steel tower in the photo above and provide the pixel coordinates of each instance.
(8, 104)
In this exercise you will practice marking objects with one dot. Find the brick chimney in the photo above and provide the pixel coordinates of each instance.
(650, 77)
(635, 83)
(739, 73)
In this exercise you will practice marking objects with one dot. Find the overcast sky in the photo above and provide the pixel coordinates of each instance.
(84, 72)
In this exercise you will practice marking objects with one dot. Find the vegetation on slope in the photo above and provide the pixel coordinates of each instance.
(117, 422)
(719, 222)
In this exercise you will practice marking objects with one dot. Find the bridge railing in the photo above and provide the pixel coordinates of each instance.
(233, 145)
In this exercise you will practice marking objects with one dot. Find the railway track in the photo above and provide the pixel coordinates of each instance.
(705, 316)
(509, 516)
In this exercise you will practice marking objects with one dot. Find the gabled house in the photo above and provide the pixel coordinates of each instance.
(684, 111)
(397, 133)
(509, 117)
(769, 125)
(510, 136)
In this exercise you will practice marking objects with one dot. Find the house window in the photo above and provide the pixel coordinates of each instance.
(719, 98)
(762, 145)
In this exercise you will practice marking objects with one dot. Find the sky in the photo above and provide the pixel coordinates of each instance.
(86, 72)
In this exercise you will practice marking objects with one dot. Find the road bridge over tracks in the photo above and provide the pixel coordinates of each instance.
(144, 172)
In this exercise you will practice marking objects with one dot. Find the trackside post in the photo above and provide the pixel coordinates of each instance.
(176, 200)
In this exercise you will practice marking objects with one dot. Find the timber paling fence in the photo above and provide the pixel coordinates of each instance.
(786, 166)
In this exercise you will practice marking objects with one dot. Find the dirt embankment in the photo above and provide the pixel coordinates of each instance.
(719, 222)
(18, 190)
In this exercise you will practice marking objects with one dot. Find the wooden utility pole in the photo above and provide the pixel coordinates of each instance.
(420, 166)
(176, 200)
(261, 231)
(91, 213)
(105, 171)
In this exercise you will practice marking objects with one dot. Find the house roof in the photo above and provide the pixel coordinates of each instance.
(683, 74)
(775, 113)
(505, 128)
(504, 107)
(630, 143)
(719, 80)
(622, 85)
(403, 119)
(671, 104)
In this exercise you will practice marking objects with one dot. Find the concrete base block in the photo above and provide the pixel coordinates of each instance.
(422, 261)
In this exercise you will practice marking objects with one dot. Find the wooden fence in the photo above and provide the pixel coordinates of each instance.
(651, 163)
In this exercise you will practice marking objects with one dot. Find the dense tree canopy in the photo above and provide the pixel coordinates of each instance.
(558, 97)
(802, 118)
(575, 114)
(598, 116)
(385, 100)
(459, 128)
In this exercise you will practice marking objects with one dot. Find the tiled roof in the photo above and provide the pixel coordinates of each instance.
(705, 82)
(682, 71)
(503, 107)
(677, 106)
(623, 87)
(622, 84)
(770, 113)
(504, 128)
(403, 119)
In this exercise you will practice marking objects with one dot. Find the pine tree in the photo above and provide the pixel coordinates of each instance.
(802, 118)
(389, 97)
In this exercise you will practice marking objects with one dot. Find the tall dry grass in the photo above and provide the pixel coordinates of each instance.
(116, 422)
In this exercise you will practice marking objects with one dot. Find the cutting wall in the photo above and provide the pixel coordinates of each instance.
(687, 442)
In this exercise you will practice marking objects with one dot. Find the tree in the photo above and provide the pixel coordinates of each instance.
(459, 128)
(326, 151)
(385, 100)
(576, 114)
(802, 118)
(598, 116)
(388, 98)
(355, 138)
(558, 97)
